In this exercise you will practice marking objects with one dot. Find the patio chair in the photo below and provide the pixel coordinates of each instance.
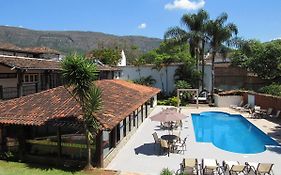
(210, 166)
(180, 146)
(234, 167)
(260, 168)
(190, 166)
(276, 115)
(178, 124)
(268, 113)
(256, 112)
(245, 108)
(235, 106)
(164, 147)
(166, 125)
(156, 140)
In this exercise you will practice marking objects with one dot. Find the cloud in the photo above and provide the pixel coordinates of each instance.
(142, 26)
(185, 4)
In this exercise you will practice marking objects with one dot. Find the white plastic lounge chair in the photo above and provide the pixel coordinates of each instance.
(242, 107)
(276, 115)
(202, 97)
(260, 168)
(245, 108)
(256, 112)
(267, 113)
(234, 167)
(235, 106)
(190, 166)
(210, 166)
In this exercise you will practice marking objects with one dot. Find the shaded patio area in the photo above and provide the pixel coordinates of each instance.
(141, 156)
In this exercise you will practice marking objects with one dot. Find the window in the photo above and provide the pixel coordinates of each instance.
(36, 78)
(7, 75)
(30, 78)
(26, 78)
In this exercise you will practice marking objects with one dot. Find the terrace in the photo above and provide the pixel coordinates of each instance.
(143, 158)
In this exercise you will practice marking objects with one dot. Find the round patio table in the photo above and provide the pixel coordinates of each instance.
(170, 138)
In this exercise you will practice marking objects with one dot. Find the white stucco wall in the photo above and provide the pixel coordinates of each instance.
(208, 77)
(226, 101)
(132, 73)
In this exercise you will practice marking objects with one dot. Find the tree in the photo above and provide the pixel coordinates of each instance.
(219, 33)
(264, 59)
(195, 35)
(107, 56)
(147, 81)
(79, 75)
(138, 62)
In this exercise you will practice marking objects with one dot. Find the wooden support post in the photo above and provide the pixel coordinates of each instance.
(1, 92)
(59, 142)
(19, 83)
(142, 118)
(36, 87)
(99, 150)
(22, 142)
(146, 110)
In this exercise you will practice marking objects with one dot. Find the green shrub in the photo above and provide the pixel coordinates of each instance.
(166, 171)
(273, 89)
(170, 101)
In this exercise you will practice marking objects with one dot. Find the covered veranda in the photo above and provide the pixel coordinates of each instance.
(47, 126)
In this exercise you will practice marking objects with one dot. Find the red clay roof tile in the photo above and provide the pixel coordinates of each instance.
(120, 98)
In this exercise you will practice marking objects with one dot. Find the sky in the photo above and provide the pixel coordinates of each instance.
(255, 19)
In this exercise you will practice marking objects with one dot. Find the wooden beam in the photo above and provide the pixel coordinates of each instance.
(59, 142)
(99, 150)
(20, 82)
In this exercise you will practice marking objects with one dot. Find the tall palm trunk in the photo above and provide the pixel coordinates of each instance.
(89, 150)
(203, 64)
(213, 75)
(167, 79)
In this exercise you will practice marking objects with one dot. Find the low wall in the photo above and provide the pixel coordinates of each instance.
(265, 101)
(226, 101)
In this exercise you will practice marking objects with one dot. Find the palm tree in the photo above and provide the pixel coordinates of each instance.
(79, 74)
(219, 33)
(194, 35)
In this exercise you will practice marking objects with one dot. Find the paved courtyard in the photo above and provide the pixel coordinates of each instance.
(140, 156)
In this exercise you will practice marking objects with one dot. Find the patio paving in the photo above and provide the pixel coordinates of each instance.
(139, 155)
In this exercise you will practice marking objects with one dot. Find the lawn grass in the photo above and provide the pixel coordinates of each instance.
(15, 168)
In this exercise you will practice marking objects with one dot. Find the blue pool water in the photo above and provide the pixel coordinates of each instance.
(232, 133)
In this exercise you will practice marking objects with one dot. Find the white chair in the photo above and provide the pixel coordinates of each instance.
(276, 115)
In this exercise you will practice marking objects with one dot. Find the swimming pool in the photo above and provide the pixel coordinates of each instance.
(232, 133)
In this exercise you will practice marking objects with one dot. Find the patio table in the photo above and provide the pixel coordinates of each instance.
(170, 138)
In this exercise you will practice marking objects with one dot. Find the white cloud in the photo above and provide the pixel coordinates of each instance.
(185, 4)
(142, 26)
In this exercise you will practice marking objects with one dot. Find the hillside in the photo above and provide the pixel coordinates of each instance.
(69, 41)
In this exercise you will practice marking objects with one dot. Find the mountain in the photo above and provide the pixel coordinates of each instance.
(79, 41)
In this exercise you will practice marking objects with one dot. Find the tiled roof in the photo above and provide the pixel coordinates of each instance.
(107, 68)
(29, 63)
(34, 50)
(120, 98)
(42, 50)
(38, 108)
(34, 63)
